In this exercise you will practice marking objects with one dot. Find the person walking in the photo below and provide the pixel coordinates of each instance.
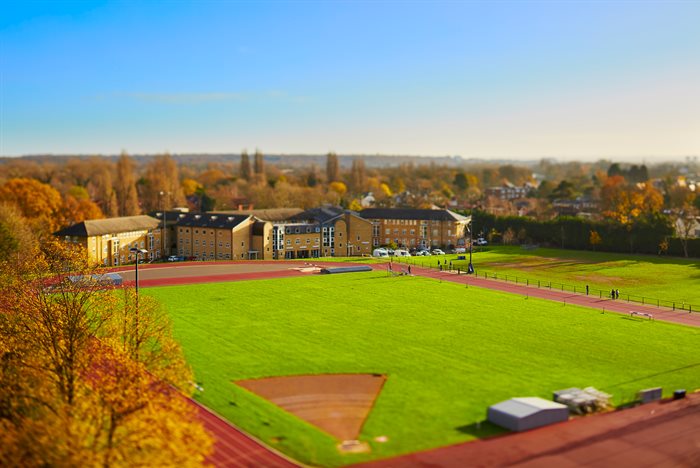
(586, 290)
(409, 269)
(617, 294)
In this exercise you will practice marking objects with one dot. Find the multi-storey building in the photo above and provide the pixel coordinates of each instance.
(108, 241)
(416, 228)
(211, 236)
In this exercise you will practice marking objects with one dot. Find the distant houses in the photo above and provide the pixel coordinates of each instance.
(266, 234)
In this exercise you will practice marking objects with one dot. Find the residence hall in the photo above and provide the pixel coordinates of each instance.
(410, 228)
(328, 231)
(108, 241)
(213, 236)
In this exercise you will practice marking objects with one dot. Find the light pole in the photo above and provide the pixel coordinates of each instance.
(137, 252)
(470, 268)
(165, 235)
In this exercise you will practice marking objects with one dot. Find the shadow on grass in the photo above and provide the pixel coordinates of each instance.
(671, 371)
(481, 429)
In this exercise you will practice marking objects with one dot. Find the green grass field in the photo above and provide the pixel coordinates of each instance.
(449, 352)
(665, 278)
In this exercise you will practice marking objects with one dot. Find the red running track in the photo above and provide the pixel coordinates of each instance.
(233, 448)
(607, 305)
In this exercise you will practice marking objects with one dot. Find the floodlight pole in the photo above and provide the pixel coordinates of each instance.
(137, 252)
(470, 268)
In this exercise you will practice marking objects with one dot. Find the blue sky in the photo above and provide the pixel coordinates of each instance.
(477, 79)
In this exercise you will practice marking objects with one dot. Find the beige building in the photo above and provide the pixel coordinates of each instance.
(211, 236)
(108, 241)
(411, 228)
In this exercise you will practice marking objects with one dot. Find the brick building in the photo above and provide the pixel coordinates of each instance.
(411, 228)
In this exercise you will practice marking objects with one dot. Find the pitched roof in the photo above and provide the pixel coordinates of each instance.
(100, 227)
(211, 220)
(322, 214)
(409, 213)
(271, 214)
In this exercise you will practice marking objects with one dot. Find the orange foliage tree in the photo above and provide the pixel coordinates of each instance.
(71, 392)
(39, 203)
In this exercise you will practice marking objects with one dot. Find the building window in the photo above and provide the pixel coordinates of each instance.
(297, 241)
(387, 231)
(228, 245)
(242, 244)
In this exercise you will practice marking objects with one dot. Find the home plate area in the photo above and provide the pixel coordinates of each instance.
(338, 404)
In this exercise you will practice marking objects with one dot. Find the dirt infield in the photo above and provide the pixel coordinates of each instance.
(662, 434)
(336, 403)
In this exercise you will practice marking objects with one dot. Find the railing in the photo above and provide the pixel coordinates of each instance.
(446, 265)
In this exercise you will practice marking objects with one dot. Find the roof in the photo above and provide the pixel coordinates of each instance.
(409, 213)
(322, 214)
(171, 217)
(272, 214)
(100, 227)
(211, 220)
(527, 406)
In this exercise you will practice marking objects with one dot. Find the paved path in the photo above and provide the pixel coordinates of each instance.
(662, 434)
(619, 305)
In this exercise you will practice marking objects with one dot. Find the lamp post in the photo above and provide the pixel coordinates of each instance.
(165, 235)
(470, 268)
(137, 252)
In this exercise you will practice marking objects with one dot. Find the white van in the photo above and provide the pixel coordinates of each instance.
(401, 253)
(380, 252)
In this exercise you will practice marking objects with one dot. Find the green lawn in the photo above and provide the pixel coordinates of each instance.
(449, 352)
(666, 278)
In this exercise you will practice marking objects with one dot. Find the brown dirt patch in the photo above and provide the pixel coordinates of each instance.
(336, 403)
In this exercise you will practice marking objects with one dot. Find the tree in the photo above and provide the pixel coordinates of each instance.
(15, 234)
(332, 168)
(259, 166)
(245, 166)
(78, 207)
(594, 239)
(460, 181)
(160, 187)
(357, 175)
(685, 221)
(101, 188)
(40, 204)
(70, 393)
(125, 187)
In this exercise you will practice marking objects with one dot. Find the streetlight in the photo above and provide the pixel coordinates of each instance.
(470, 268)
(165, 234)
(137, 252)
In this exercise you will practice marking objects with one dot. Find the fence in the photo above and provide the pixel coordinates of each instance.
(552, 285)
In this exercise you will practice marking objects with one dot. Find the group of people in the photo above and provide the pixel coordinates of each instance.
(615, 294)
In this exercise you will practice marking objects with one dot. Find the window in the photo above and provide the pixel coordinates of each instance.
(413, 232)
(308, 241)
(387, 231)
(196, 231)
(403, 231)
(358, 237)
(297, 241)
(289, 242)
(228, 245)
(221, 244)
(243, 244)
(196, 242)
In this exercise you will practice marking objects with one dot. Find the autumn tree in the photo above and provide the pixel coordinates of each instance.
(594, 239)
(125, 187)
(70, 393)
(16, 237)
(39, 203)
(259, 166)
(101, 187)
(332, 168)
(78, 207)
(245, 171)
(160, 186)
(357, 175)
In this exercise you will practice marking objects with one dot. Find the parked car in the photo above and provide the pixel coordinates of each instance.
(438, 252)
(401, 253)
(390, 252)
(460, 250)
(481, 241)
(176, 258)
(423, 252)
(380, 252)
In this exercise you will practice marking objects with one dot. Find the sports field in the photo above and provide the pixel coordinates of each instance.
(659, 277)
(448, 352)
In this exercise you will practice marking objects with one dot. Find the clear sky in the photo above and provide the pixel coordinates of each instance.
(478, 79)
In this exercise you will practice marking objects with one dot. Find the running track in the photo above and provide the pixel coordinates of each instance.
(233, 448)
